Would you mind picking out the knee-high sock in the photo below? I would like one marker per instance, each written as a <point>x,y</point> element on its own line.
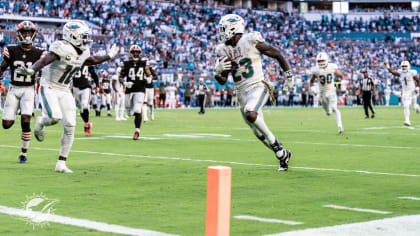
<point>67,140</point>
<point>137,120</point>
<point>262,128</point>
<point>26,134</point>
<point>337,116</point>
<point>257,133</point>
<point>85,115</point>
<point>144,111</point>
<point>407,113</point>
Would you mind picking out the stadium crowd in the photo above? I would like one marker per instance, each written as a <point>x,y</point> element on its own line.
<point>181,39</point>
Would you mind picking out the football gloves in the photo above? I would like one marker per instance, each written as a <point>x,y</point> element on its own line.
<point>128,84</point>
<point>290,82</point>
<point>222,64</point>
<point>24,71</point>
<point>113,51</point>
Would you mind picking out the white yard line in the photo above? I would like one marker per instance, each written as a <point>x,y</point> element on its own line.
<point>410,198</point>
<point>104,227</point>
<point>287,222</point>
<point>215,161</point>
<point>358,209</point>
<point>401,225</point>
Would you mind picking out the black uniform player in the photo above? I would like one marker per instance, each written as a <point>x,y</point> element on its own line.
<point>134,72</point>
<point>82,93</point>
<point>106,92</point>
<point>22,90</point>
<point>150,94</point>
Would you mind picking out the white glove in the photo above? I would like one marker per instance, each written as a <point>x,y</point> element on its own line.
<point>222,64</point>
<point>128,84</point>
<point>113,51</point>
<point>290,82</point>
<point>24,71</point>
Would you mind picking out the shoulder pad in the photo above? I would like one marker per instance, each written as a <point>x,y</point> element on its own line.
<point>59,48</point>
<point>255,37</point>
<point>219,50</point>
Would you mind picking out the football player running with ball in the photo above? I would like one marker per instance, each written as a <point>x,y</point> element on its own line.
<point>407,78</point>
<point>324,72</point>
<point>240,54</point>
<point>21,92</point>
<point>64,59</point>
<point>134,72</point>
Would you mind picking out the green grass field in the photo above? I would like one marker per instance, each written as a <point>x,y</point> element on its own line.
<point>159,183</point>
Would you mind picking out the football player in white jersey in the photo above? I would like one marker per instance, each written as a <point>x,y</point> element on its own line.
<point>325,72</point>
<point>240,54</point>
<point>64,59</point>
<point>407,77</point>
<point>117,85</point>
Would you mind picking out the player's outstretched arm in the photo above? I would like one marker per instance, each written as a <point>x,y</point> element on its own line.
<point>44,61</point>
<point>390,69</point>
<point>94,60</point>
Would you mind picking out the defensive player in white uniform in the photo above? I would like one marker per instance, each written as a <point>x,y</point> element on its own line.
<point>407,78</point>
<point>240,54</point>
<point>117,85</point>
<point>325,73</point>
<point>65,57</point>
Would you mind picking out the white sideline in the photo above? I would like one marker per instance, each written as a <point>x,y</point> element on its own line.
<point>214,161</point>
<point>358,209</point>
<point>287,222</point>
<point>401,225</point>
<point>410,198</point>
<point>104,227</point>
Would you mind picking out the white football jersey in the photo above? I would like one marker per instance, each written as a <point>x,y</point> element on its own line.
<point>325,77</point>
<point>246,60</point>
<point>118,85</point>
<point>60,72</point>
<point>407,80</point>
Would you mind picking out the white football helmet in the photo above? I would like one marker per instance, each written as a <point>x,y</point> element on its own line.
<point>405,66</point>
<point>77,33</point>
<point>230,25</point>
<point>322,60</point>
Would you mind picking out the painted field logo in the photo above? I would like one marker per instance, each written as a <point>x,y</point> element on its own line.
<point>38,208</point>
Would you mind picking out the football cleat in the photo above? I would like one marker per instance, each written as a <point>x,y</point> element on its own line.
<point>152,116</point>
<point>88,129</point>
<point>117,118</point>
<point>22,159</point>
<point>39,129</point>
<point>366,117</point>
<point>282,155</point>
<point>109,114</point>
<point>136,135</point>
<point>372,116</point>
<point>61,167</point>
<point>284,158</point>
<point>407,123</point>
<point>340,130</point>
